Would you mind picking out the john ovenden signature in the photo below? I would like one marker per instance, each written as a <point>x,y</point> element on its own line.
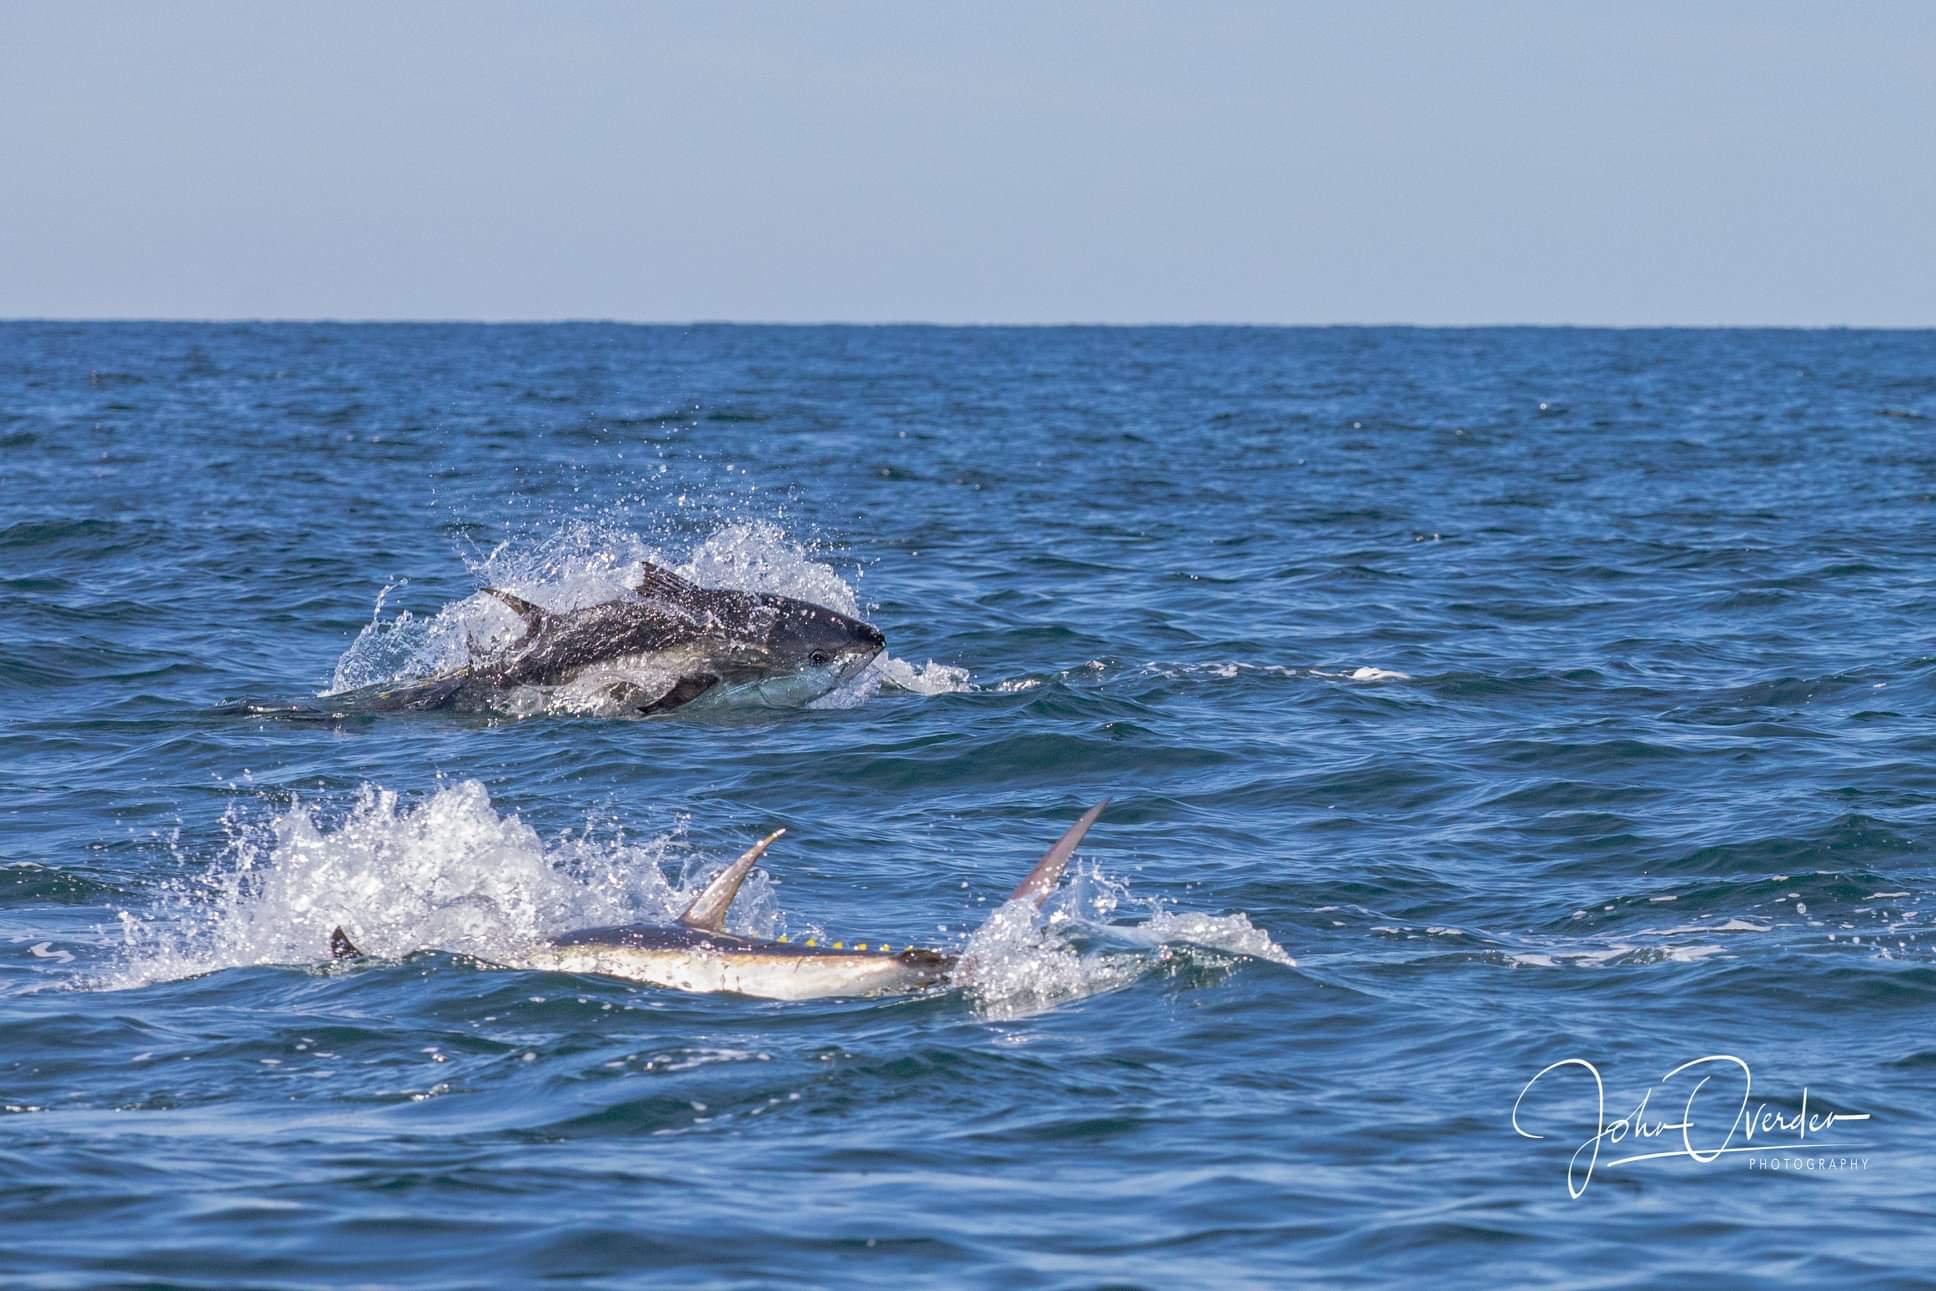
<point>1713,1122</point>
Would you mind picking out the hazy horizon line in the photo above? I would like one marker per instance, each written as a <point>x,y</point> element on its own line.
<point>987,324</point>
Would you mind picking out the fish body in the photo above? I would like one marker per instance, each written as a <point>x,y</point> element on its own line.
<point>682,959</point>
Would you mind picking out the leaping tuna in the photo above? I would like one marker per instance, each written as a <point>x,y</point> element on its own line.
<point>669,644</point>
<point>698,954</point>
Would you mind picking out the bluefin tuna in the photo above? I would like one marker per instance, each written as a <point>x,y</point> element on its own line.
<point>670,643</point>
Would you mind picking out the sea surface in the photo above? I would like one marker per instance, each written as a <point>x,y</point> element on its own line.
<point>1509,733</point>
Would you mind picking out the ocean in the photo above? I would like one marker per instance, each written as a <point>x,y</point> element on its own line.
<point>1518,868</point>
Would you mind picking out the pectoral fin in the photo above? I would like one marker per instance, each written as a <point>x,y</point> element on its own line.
<point>683,692</point>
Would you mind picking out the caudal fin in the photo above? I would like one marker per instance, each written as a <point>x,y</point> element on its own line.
<point>1041,880</point>
<point>708,913</point>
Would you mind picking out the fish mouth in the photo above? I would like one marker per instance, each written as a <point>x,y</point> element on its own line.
<point>858,659</point>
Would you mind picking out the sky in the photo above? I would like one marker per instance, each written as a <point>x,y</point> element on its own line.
<point>1762,163</point>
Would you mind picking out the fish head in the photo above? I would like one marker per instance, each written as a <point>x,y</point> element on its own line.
<point>812,650</point>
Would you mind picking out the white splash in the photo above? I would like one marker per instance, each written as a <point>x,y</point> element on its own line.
<point>450,874</point>
<point>1016,965</point>
<point>1022,961</point>
<point>930,678</point>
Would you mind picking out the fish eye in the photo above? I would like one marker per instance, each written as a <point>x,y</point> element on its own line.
<point>818,657</point>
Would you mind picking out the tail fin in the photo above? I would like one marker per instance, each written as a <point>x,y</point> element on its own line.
<point>708,913</point>
<point>341,947</point>
<point>1041,881</point>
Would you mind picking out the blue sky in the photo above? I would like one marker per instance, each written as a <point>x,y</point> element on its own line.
<point>1753,163</point>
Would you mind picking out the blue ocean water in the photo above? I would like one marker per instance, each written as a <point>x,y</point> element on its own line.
<point>1471,701</point>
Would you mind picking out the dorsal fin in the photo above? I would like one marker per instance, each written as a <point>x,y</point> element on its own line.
<point>1048,871</point>
<point>708,913</point>
<point>533,615</point>
<point>657,580</point>
<point>341,947</point>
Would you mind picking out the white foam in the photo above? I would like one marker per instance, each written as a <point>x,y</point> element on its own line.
<point>1231,932</point>
<point>1362,673</point>
<point>930,678</point>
